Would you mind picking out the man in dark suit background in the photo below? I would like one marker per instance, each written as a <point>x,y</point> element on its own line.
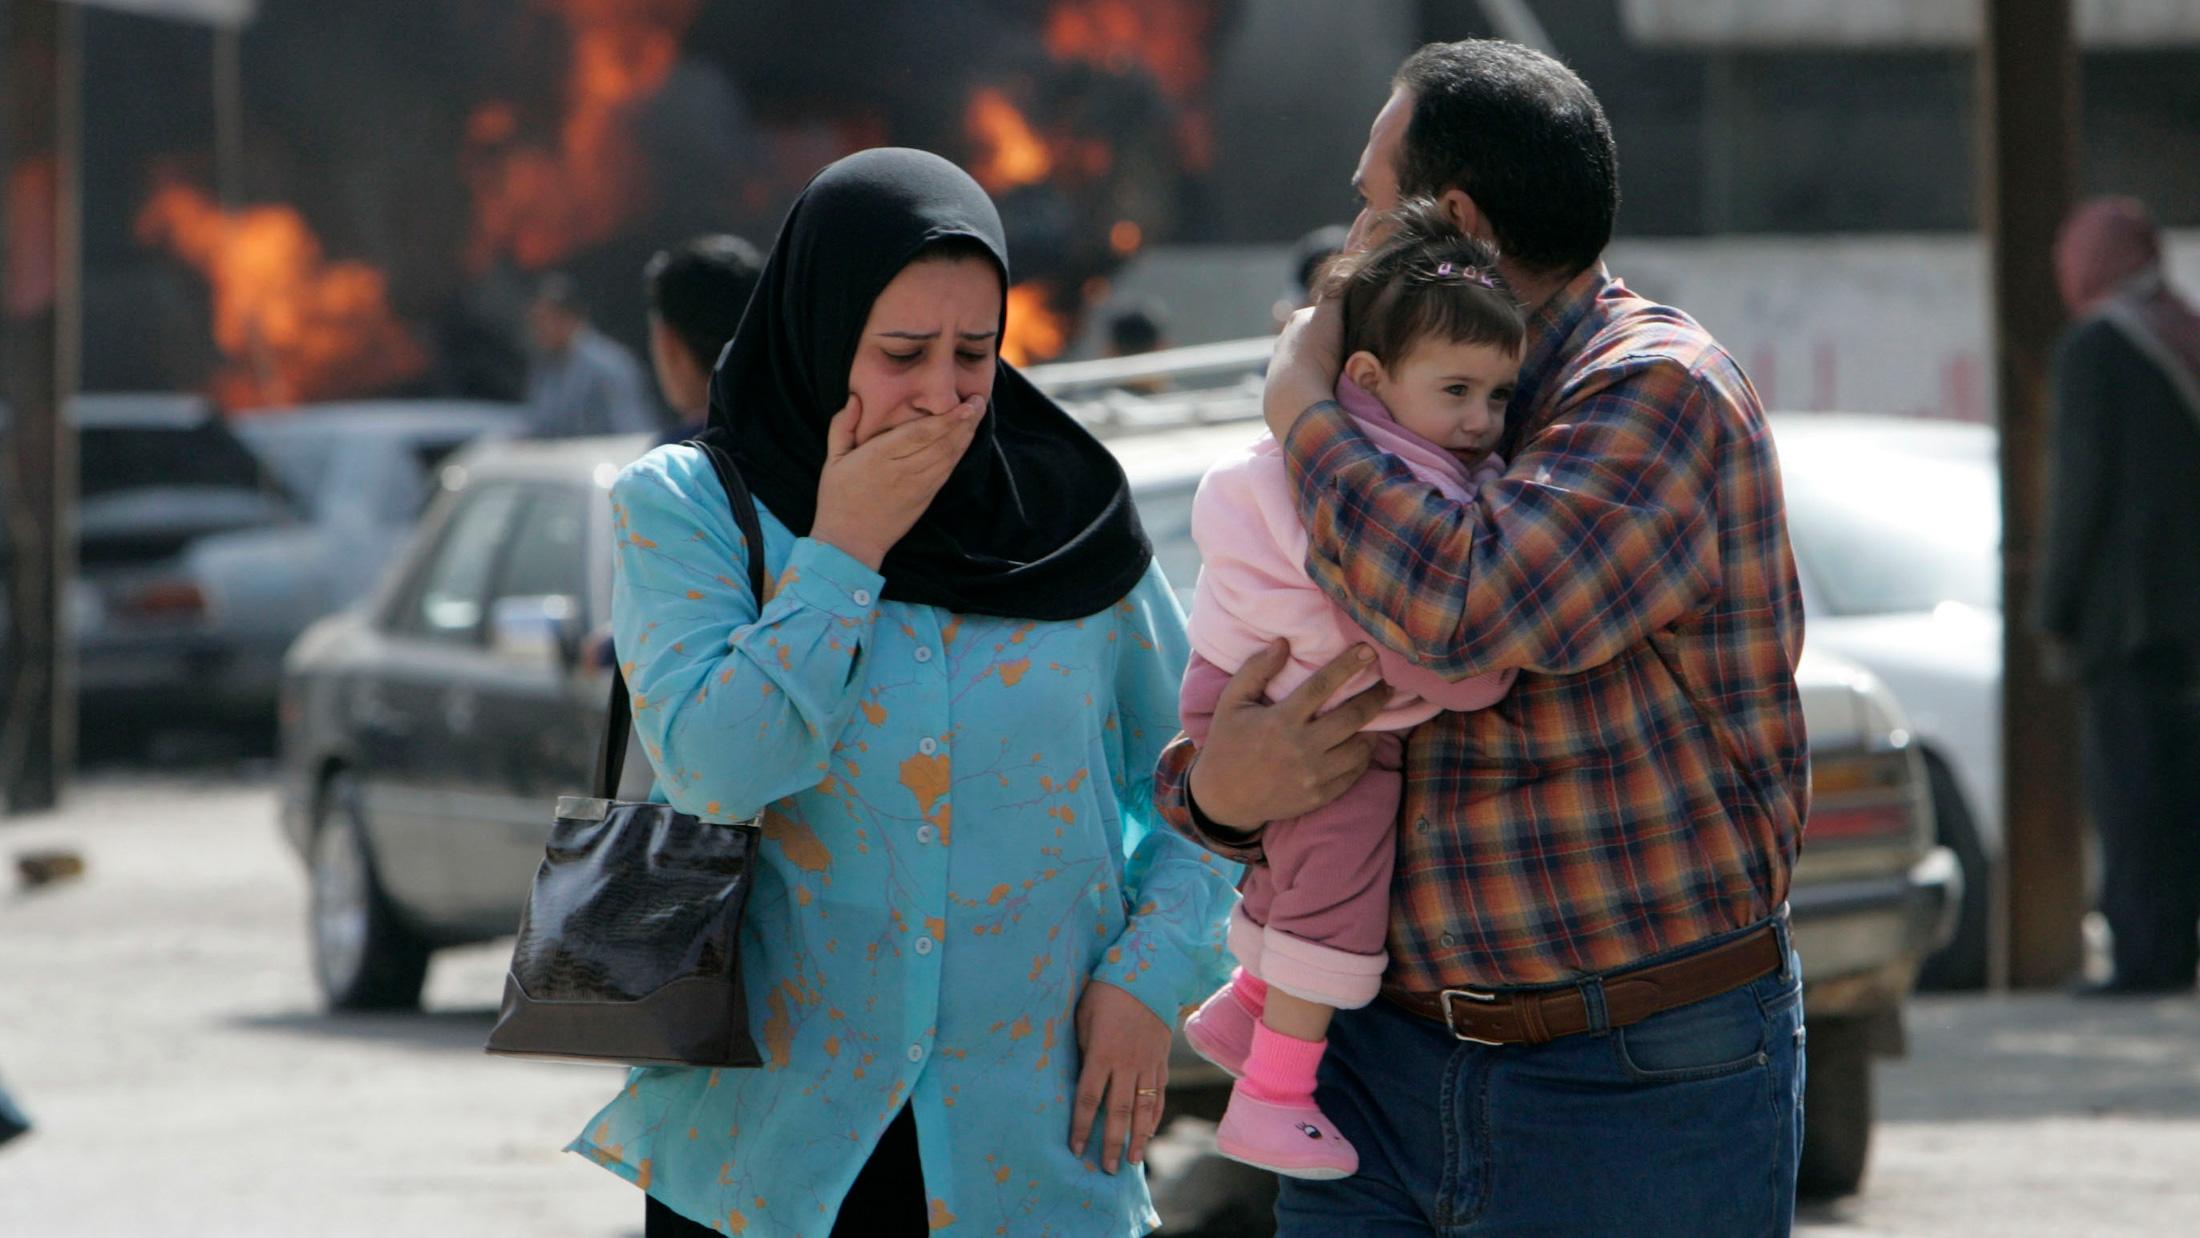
<point>2120,586</point>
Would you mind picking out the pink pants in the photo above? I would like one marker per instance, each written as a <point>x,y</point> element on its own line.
<point>1312,919</point>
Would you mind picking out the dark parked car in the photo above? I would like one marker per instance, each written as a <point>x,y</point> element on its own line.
<point>426,733</point>
<point>182,535</point>
<point>206,544</point>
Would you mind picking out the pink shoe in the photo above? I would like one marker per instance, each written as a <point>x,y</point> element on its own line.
<point>1221,1031</point>
<point>1297,1141</point>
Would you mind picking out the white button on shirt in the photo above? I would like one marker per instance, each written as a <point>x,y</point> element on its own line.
<point>916,1053</point>
<point>861,597</point>
<point>928,745</point>
<point>924,833</point>
<point>924,945</point>
<point>923,653</point>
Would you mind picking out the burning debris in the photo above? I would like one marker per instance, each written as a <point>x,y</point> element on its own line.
<point>1168,39</point>
<point>293,325</point>
<point>1008,154</point>
<point>537,203</point>
<point>1036,331</point>
<point>584,134</point>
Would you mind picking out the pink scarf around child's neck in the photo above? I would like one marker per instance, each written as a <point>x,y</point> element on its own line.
<point>1431,463</point>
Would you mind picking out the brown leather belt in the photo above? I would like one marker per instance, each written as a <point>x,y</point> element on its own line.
<point>1539,1016</point>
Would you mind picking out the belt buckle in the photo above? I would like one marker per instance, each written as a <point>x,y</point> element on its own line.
<point>1445,999</point>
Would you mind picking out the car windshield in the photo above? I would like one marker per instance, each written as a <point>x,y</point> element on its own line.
<point>1886,526</point>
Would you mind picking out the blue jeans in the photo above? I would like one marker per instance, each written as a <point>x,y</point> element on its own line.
<point>1689,1122</point>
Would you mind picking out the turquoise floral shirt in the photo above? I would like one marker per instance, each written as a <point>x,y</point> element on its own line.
<point>959,833</point>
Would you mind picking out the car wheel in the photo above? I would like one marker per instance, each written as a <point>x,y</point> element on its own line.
<point>363,955</point>
<point>1837,1108</point>
<point>1961,964</point>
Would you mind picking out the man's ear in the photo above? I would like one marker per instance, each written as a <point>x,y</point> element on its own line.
<point>1364,369</point>
<point>1464,214</point>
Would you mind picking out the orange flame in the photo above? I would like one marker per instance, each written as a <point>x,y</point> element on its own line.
<point>1009,153</point>
<point>539,204</point>
<point>1167,37</point>
<point>1035,331</point>
<point>293,325</point>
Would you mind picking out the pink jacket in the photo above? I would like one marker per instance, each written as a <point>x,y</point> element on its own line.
<point>1253,585</point>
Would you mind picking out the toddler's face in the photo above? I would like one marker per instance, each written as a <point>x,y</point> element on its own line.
<point>1451,394</point>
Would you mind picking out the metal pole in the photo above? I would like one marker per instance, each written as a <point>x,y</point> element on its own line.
<point>228,82</point>
<point>2028,96</point>
<point>39,140</point>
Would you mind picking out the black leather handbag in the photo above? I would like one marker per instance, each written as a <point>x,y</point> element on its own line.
<point>629,946</point>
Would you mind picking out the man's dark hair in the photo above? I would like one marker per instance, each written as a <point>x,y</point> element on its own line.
<point>700,289</point>
<point>1424,279</point>
<point>1523,136</point>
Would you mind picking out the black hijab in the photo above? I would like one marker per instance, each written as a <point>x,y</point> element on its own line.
<point>1036,520</point>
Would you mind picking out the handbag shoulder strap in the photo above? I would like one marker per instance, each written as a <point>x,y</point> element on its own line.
<point>611,754</point>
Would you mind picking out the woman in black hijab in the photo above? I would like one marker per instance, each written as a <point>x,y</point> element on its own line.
<point>970,933</point>
<point>1035,519</point>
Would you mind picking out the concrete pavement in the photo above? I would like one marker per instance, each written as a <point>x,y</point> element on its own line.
<point>158,1021</point>
<point>2035,1114</point>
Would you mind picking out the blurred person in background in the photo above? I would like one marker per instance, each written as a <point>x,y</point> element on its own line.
<point>697,292</point>
<point>1313,251</point>
<point>2120,581</point>
<point>582,382</point>
<point>1140,327</point>
<point>1137,328</point>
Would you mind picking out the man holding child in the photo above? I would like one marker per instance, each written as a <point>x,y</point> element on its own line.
<point>1591,1020</point>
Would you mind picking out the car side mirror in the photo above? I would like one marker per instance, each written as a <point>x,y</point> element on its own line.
<point>540,631</point>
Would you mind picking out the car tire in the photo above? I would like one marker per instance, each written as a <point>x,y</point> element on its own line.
<point>1837,1108</point>
<point>364,956</point>
<point>1961,964</point>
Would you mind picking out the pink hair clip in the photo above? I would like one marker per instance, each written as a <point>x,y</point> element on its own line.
<point>1449,270</point>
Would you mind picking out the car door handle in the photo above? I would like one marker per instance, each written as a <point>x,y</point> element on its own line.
<point>459,709</point>
<point>371,714</point>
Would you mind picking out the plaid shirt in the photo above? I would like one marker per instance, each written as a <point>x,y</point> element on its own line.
<point>1644,785</point>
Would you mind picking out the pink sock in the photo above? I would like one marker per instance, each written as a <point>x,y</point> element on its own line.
<point>1250,991</point>
<point>1280,1069</point>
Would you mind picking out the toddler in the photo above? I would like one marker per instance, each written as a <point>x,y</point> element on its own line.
<point>1433,342</point>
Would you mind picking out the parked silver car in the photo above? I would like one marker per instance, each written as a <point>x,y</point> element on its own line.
<point>363,471</point>
<point>1897,529</point>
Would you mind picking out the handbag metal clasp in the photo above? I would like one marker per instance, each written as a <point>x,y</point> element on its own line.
<point>582,808</point>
